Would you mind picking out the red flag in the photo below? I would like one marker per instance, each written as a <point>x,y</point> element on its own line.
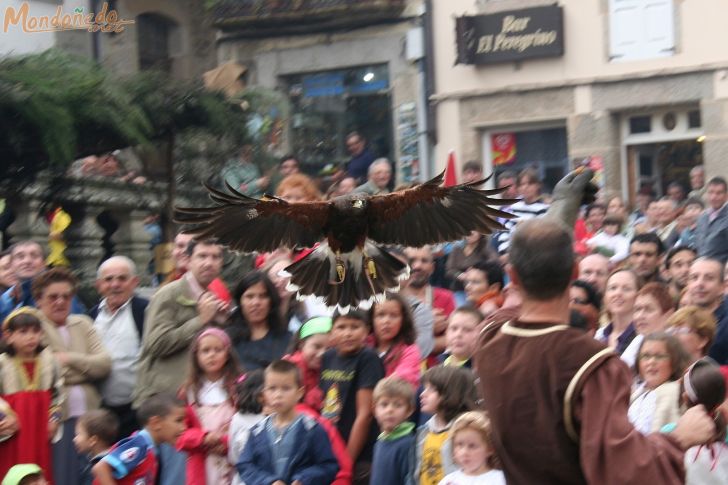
<point>451,176</point>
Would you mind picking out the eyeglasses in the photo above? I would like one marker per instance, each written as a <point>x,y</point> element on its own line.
<point>120,278</point>
<point>654,356</point>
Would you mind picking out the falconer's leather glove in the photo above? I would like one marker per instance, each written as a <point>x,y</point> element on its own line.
<point>572,191</point>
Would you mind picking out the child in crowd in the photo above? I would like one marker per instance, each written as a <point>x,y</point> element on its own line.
<point>609,241</point>
<point>133,460</point>
<point>249,401</point>
<point>312,340</point>
<point>661,361</point>
<point>473,451</point>
<point>393,461</point>
<point>462,336</point>
<point>209,394</point>
<point>704,383</point>
<point>448,392</point>
<point>338,446</point>
<point>32,386</point>
<point>286,448</point>
<point>349,373</point>
<point>25,474</point>
<point>96,432</point>
<point>394,339</point>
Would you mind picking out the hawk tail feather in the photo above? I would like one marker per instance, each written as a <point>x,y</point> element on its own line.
<point>369,274</point>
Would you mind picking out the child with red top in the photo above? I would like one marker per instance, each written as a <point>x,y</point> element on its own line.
<point>209,392</point>
<point>133,460</point>
<point>394,339</point>
<point>312,340</point>
<point>31,386</point>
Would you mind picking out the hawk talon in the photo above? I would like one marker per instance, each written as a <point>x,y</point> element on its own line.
<point>371,267</point>
<point>340,271</point>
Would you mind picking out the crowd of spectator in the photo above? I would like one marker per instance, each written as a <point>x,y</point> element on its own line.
<point>251,385</point>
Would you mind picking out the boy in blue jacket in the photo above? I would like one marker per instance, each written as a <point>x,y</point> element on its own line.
<point>286,448</point>
<point>394,452</point>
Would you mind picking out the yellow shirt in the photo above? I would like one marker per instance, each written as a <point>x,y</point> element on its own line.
<point>60,222</point>
<point>431,471</point>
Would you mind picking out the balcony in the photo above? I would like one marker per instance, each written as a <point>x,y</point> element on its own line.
<point>270,18</point>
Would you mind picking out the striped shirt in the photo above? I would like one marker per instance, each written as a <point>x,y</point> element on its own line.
<point>523,212</point>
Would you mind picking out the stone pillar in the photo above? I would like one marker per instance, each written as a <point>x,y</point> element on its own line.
<point>27,224</point>
<point>597,134</point>
<point>714,114</point>
<point>132,241</point>
<point>84,243</point>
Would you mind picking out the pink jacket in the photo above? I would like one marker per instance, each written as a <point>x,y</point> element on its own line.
<point>404,361</point>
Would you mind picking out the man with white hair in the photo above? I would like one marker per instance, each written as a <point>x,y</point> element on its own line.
<point>119,320</point>
<point>380,174</point>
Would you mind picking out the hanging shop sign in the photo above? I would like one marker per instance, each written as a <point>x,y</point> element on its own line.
<point>510,36</point>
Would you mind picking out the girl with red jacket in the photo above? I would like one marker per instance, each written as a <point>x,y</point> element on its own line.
<point>208,391</point>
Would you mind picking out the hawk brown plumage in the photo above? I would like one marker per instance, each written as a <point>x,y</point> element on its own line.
<point>349,268</point>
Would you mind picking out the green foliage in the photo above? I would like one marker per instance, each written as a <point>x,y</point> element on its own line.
<point>174,105</point>
<point>55,107</point>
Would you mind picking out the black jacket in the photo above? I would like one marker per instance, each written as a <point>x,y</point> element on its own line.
<point>138,305</point>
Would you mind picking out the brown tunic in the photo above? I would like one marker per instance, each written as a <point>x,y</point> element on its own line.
<point>558,402</point>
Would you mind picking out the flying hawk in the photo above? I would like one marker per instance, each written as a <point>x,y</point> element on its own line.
<point>350,267</point>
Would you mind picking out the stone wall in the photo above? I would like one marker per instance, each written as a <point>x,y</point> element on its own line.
<point>85,199</point>
<point>592,114</point>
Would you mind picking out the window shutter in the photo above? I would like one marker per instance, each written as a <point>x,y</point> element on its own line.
<point>659,28</point>
<point>641,29</point>
<point>624,28</point>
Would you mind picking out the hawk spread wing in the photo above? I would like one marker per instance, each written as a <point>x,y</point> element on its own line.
<point>429,213</point>
<point>247,225</point>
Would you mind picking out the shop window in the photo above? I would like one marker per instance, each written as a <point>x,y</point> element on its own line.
<point>153,40</point>
<point>545,150</point>
<point>694,119</point>
<point>640,124</point>
<point>329,105</point>
<point>640,29</point>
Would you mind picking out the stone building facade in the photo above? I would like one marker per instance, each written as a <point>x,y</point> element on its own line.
<point>344,67</point>
<point>641,87</point>
<point>108,214</point>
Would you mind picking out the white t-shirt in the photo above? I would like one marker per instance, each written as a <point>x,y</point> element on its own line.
<point>238,435</point>
<point>492,477</point>
<point>642,410</point>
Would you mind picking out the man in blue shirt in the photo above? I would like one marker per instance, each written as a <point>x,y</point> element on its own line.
<point>361,157</point>
<point>712,229</point>
<point>705,288</point>
<point>27,261</point>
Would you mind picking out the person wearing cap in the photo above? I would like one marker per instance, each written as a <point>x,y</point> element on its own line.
<point>25,474</point>
<point>311,341</point>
